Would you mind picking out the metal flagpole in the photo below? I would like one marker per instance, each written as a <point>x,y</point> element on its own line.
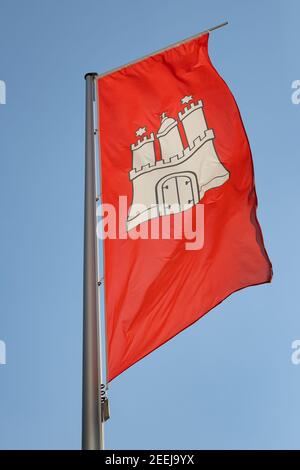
<point>92,422</point>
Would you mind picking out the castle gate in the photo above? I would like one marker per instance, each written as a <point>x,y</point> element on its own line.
<point>177,192</point>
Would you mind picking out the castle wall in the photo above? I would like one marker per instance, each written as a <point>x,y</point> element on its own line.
<point>194,123</point>
<point>203,162</point>
<point>143,153</point>
<point>170,144</point>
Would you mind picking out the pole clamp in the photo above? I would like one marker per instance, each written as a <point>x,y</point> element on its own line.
<point>105,414</point>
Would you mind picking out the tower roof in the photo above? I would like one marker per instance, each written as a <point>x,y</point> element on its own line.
<point>166,123</point>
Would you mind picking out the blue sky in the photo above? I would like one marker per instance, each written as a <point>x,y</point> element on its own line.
<point>228,381</point>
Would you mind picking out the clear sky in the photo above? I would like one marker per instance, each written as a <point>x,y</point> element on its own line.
<point>226,382</point>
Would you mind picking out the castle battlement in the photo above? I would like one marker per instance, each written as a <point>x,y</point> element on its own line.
<point>143,141</point>
<point>189,109</point>
<point>185,155</point>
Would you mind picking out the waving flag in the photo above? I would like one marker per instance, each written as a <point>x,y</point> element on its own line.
<point>176,168</point>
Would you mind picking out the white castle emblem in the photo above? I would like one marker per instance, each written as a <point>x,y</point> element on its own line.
<point>180,179</point>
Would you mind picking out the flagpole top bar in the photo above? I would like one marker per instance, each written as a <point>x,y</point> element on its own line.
<point>90,74</point>
<point>98,76</point>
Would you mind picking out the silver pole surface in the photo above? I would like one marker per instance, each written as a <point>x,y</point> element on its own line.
<point>92,429</point>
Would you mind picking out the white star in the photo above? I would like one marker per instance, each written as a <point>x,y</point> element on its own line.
<point>186,99</point>
<point>141,131</point>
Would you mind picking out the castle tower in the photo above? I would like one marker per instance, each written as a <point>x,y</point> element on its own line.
<point>193,121</point>
<point>169,138</point>
<point>143,152</point>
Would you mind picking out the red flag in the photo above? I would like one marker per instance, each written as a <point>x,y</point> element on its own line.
<point>173,145</point>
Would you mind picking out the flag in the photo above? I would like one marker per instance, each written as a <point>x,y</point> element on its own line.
<point>179,203</point>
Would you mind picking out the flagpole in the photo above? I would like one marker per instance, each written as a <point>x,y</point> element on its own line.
<point>92,423</point>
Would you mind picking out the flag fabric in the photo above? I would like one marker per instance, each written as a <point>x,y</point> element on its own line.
<point>174,154</point>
